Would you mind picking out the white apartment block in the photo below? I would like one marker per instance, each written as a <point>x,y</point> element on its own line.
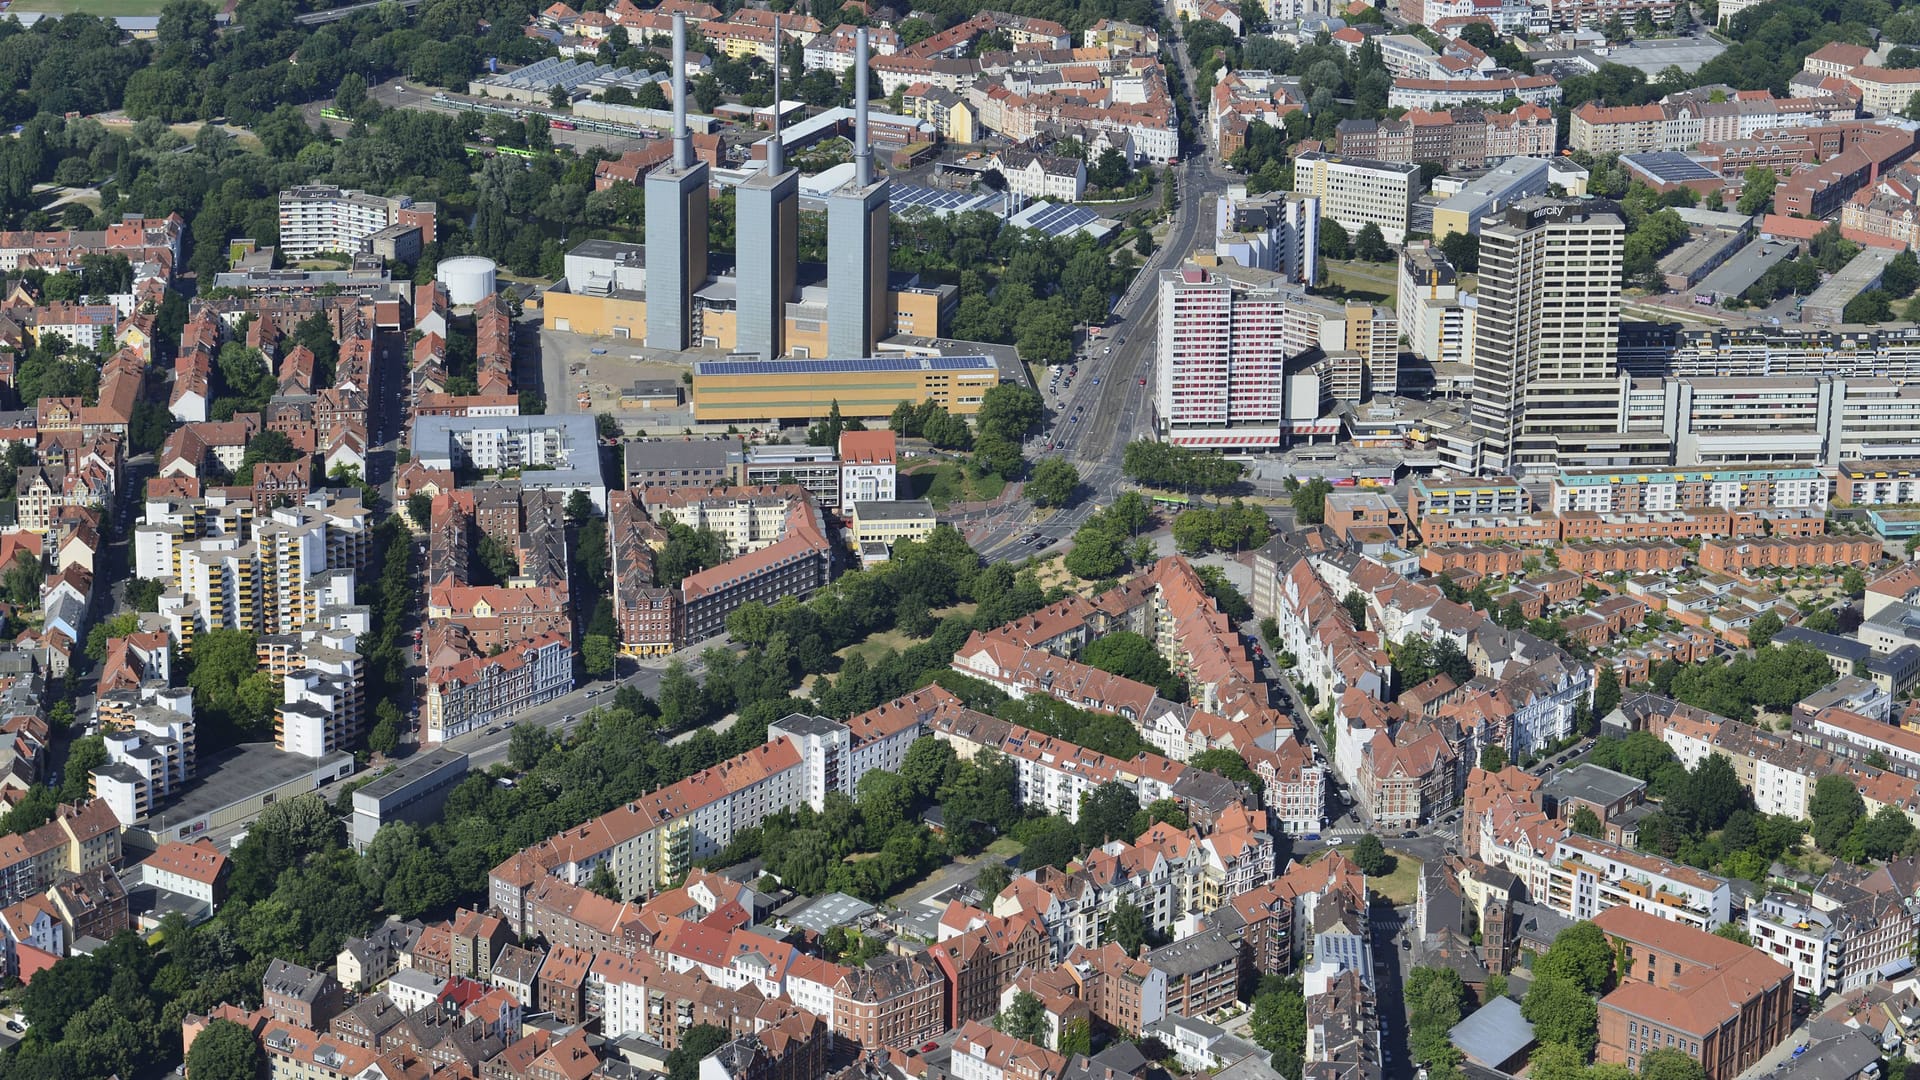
<point>271,574</point>
<point>1357,193</point>
<point>1610,491</point>
<point>1588,876</point>
<point>315,219</point>
<point>150,760</point>
<point>1277,231</point>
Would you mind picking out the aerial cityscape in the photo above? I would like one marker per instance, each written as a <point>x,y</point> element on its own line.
<point>1120,540</point>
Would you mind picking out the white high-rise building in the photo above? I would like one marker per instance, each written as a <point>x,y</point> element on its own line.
<point>1545,365</point>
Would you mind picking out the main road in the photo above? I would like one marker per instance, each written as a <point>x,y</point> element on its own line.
<point>1111,402</point>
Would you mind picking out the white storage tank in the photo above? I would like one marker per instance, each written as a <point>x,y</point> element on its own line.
<point>468,278</point>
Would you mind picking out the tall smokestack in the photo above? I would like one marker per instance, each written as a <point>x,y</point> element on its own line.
<point>776,152</point>
<point>682,136</point>
<point>862,149</point>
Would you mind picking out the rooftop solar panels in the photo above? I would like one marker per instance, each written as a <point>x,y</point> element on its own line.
<point>1055,219</point>
<point>905,196</point>
<point>1668,166</point>
<point>873,364</point>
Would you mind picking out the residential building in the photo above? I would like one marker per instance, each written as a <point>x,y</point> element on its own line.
<point>316,219</point>
<point>481,690</point>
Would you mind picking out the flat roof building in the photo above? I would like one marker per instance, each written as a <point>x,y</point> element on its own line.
<point>758,391</point>
<point>413,792</point>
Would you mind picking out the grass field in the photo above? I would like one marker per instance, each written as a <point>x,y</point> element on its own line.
<point>945,483</point>
<point>106,9</point>
<point>1401,886</point>
<point>877,645</point>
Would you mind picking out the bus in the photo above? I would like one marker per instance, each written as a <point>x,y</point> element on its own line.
<point>331,113</point>
<point>1177,502</point>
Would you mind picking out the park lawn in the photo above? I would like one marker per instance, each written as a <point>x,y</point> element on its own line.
<point>105,9</point>
<point>944,483</point>
<point>879,644</point>
<point>1004,845</point>
<point>1403,885</point>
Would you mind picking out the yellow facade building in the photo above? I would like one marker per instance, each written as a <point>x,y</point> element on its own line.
<point>758,391</point>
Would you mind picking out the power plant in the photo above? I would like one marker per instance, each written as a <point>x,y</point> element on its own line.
<point>767,222</point>
<point>676,222</point>
<point>857,251</point>
<point>767,212</point>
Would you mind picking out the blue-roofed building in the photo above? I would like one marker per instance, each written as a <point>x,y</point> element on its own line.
<point>1494,1035</point>
<point>1056,219</point>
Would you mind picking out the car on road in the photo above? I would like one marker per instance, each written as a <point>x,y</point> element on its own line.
<point>1410,835</point>
<point>598,352</point>
<point>1143,382</point>
<point>929,1048</point>
<point>1076,419</point>
<point>567,719</point>
<point>1096,380</point>
<point>494,730</point>
<point>14,1026</point>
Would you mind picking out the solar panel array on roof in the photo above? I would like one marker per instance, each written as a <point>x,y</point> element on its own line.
<point>1055,219</point>
<point>839,367</point>
<point>910,195</point>
<point>1669,166</point>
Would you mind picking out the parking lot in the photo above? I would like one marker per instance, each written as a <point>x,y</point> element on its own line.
<point>602,367</point>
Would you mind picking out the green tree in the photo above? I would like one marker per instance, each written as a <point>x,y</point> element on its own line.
<point>1666,1064</point>
<point>1606,691</point>
<point>991,881</point>
<point>1585,822</point>
<point>1371,856</point>
<point>1309,500</point>
<point>1334,243</point>
<point>1761,630</point>
<point>1733,932</point>
<point>1756,190</point>
<point>1435,998</point>
<point>1493,757</point>
<point>420,508</point>
<point>23,581</point>
<point>223,1050</point>
<point>351,97</point>
<point>1024,1018</point>
<point>1833,810</point>
<point>143,594</point>
<point>1370,245</point>
<point>1886,834</point>
<point>1853,581</point>
<point>1126,927</point>
<point>596,655</point>
<point>1053,482</point>
<point>1279,1024</point>
<point>1128,655</point>
<point>527,745</point>
<point>385,735</point>
<point>118,626</point>
<point>699,1041</point>
<point>1096,554</point>
<point>1009,411</point>
<point>1580,955</point>
<point>1561,1012</point>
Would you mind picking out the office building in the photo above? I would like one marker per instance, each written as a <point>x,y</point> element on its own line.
<point>1509,182</point>
<point>676,200</point>
<point>413,792</point>
<point>1222,359</point>
<point>1547,334</point>
<point>767,222</point>
<point>1357,192</point>
<point>857,239</point>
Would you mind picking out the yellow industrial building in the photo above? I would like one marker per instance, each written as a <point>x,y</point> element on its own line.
<point>758,391</point>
